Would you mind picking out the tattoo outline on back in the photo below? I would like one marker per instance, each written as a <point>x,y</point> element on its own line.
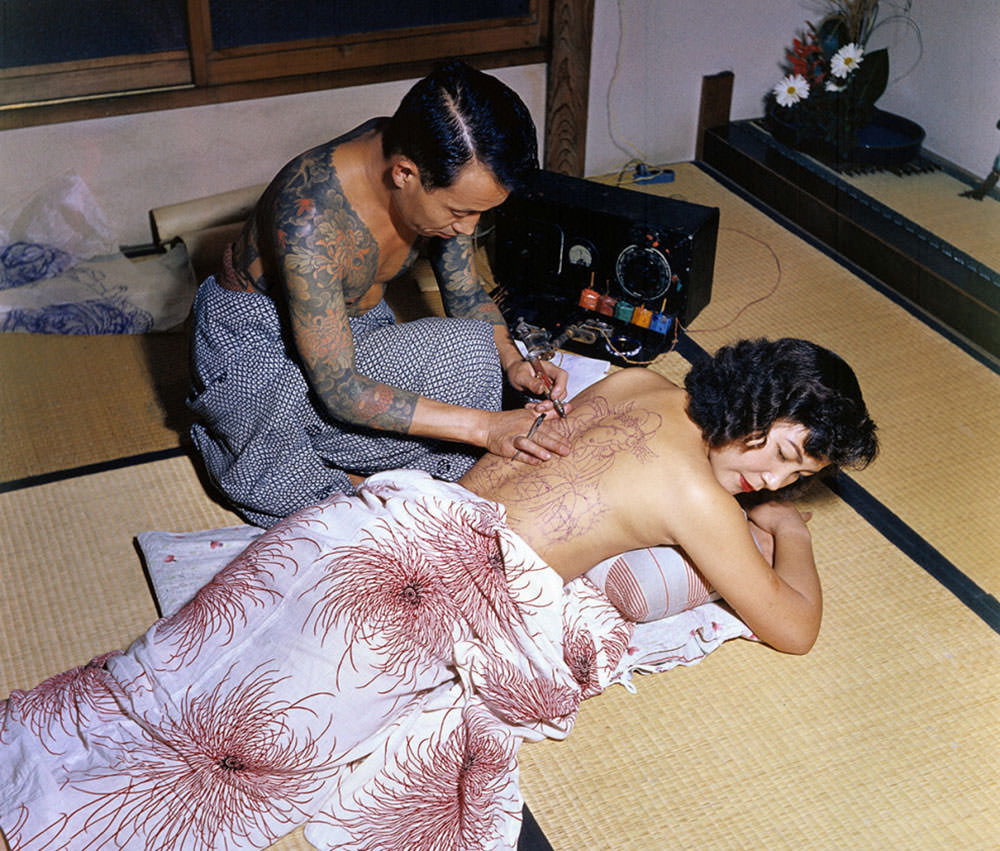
<point>568,498</point>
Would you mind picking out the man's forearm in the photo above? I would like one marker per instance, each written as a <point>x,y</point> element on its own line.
<point>506,349</point>
<point>360,401</point>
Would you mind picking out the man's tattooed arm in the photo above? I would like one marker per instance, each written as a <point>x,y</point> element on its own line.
<point>328,258</point>
<point>462,289</point>
<point>463,293</point>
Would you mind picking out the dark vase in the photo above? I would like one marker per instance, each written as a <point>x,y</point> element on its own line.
<point>887,140</point>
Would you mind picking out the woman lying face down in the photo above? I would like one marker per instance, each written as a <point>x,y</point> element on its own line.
<point>654,464</point>
<point>368,666</point>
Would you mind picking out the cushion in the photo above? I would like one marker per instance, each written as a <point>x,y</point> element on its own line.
<point>651,583</point>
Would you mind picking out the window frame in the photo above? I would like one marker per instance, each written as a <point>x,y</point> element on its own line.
<point>120,85</point>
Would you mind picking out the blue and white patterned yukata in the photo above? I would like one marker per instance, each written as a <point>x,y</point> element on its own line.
<point>266,441</point>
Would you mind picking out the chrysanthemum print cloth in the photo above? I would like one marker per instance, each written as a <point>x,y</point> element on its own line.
<point>368,667</point>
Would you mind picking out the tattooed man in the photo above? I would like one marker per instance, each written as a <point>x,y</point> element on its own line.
<point>302,380</point>
<point>653,464</point>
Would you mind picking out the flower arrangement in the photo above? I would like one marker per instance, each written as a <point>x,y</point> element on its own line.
<point>831,81</point>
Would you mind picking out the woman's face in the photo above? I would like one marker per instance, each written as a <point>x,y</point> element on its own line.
<point>767,463</point>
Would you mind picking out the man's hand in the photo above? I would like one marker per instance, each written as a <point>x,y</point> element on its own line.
<point>523,376</point>
<point>508,434</point>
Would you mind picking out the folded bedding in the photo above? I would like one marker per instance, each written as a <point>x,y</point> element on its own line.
<point>61,270</point>
<point>367,667</point>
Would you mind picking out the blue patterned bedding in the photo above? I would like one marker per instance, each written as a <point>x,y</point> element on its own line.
<point>61,271</point>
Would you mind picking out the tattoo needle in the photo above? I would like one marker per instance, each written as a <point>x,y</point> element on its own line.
<point>540,373</point>
<point>534,426</point>
<point>531,433</point>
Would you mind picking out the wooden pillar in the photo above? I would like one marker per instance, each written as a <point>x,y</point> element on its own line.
<point>716,100</point>
<point>568,87</point>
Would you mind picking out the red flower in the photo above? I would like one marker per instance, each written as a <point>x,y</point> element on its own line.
<point>580,653</point>
<point>806,57</point>
<point>229,764</point>
<point>479,576</point>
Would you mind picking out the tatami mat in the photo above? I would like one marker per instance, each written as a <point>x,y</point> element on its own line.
<point>884,736</point>
<point>72,583</point>
<point>67,401</point>
<point>880,738</point>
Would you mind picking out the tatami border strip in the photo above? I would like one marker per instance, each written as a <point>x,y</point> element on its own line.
<point>90,469</point>
<point>984,604</point>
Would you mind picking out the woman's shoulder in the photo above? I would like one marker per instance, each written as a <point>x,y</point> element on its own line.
<point>630,380</point>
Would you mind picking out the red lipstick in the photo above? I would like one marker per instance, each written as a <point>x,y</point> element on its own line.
<point>747,487</point>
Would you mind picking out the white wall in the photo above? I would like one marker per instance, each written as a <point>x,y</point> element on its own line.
<point>649,57</point>
<point>953,92</point>
<point>644,98</point>
<point>132,163</point>
<point>647,104</point>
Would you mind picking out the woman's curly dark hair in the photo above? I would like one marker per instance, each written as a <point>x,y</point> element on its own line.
<point>740,392</point>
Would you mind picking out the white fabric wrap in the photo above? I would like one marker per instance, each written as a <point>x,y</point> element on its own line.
<point>367,667</point>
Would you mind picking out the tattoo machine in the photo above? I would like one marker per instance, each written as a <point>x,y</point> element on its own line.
<point>536,341</point>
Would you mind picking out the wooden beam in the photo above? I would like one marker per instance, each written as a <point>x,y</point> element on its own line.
<point>716,100</point>
<point>568,86</point>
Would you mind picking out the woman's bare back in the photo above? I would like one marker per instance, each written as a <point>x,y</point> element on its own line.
<point>630,438</point>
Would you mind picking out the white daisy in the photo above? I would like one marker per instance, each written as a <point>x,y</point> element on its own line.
<point>831,86</point>
<point>791,90</point>
<point>845,60</point>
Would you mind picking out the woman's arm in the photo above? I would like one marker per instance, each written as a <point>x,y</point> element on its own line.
<point>782,604</point>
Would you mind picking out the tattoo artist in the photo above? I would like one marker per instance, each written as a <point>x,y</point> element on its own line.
<point>302,380</point>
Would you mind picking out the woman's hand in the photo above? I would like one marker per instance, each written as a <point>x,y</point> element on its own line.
<point>776,517</point>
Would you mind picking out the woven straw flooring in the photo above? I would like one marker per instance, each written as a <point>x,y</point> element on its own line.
<point>885,736</point>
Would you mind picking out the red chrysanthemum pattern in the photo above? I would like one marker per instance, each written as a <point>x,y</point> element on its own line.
<point>595,637</point>
<point>580,653</point>
<point>221,607</point>
<point>379,658</point>
<point>390,598</point>
<point>64,704</point>
<point>487,585</point>
<point>234,762</point>
<point>442,793</point>
<point>521,699</point>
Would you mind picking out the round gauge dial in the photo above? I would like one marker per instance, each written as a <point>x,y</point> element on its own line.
<point>643,273</point>
<point>581,254</point>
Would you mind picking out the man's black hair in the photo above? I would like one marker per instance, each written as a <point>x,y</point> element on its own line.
<point>739,393</point>
<point>457,114</point>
